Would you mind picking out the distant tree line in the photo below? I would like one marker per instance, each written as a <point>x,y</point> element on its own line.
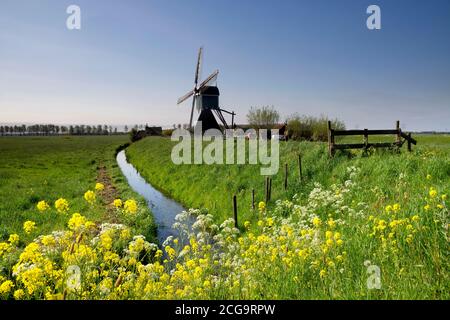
<point>53,130</point>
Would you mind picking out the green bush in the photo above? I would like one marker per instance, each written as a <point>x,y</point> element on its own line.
<point>302,127</point>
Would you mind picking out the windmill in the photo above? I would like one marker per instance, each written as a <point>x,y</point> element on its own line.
<point>206,97</point>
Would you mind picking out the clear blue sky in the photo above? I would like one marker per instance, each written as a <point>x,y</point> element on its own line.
<point>132,59</point>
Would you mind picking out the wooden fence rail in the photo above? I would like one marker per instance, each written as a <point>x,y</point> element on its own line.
<point>332,146</point>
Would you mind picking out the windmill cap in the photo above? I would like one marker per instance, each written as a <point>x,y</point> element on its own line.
<point>210,90</point>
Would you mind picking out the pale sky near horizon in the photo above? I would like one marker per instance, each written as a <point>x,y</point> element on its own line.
<point>131,60</point>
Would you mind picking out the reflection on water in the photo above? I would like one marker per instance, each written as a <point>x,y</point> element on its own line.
<point>164,209</point>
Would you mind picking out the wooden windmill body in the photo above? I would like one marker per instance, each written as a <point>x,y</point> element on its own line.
<point>206,100</point>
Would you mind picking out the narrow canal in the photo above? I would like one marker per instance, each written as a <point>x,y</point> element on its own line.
<point>163,208</point>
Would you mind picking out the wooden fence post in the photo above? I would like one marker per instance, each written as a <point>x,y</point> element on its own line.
<point>330,140</point>
<point>397,127</point>
<point>285,176</point>
<point>235,211</point>
<point>253,199</point>
<point>266,188</point>
<point>270,189</point>
<point>366,139</point>
<point>300,166</point>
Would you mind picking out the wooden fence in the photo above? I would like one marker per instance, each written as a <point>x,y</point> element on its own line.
<point>332,146</point>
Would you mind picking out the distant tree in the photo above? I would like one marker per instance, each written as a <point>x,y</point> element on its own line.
<point>126,129</point>
<point>265,117</point>
<point>2,130</point>
<point>301,127</point>
<point>115,130</point>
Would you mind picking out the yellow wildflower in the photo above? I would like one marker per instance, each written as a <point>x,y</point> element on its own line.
<point>89,196</point>
<point>426,207</point>
<point>262,206</point>
<point>42,206</point>
<point>48,241</point>
<point>432,192</point>
<point>396,207</point>
<point>29,226</point>
<point>62,205</point>
<point>316,222</point>
<point>429,176</point>
<point>331,223</point>
<point>14,239</point>
<point>19,294</point>
<point>247,224</point>
<point>118,203</point>
<point>323,273</point>
<point>6,287</point>
<point>444,197</point>
<point>4,248</point>
<point>409,238</point>
<point>125,234</point>
<point>130,206</point>
<point>79,223</point>
<point>99,186</point>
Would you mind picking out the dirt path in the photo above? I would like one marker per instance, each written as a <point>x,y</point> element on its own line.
<point>108,195</point>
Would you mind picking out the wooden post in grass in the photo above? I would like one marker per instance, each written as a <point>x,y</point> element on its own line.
<point>397,127</point>
<point>330,140</point>
<point>267,189</point>
<point>366,139</point>
<point>270,189</point>
<point>253,199</point>
<point>285,176</point>
<point>409,142</point>
<point>235,211</point>
<point>300,167</point>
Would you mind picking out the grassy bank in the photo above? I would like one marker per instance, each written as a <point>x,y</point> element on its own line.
<point>212,187</point>
<point>48,168</point>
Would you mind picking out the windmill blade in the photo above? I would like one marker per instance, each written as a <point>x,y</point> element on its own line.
<point>186,96</point>
<point>192,111</point>
<point>211,78</point>
<point>199,65</point>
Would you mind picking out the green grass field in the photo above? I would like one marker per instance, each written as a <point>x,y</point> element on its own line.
<point>358,226</point>
<point>49,168</point>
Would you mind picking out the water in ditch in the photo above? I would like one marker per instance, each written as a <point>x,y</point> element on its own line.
<point>163,208</point>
